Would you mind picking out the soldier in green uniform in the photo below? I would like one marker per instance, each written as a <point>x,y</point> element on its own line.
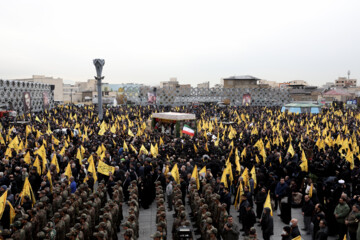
<point>18,232</point>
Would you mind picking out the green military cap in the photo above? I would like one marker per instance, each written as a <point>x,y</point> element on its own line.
<point>57,215</point>
<point>77,226</point>
<point>71,233</point>
<point>156,235</point>
<point>5,232</point>
<point>16,224</point>
<point>46,229</point>
<point>126,224</point>
<point>99,234</point>
<point>209,220</point>
<point>40,235</point>
<point>50,225</point>
<point>129,232</point>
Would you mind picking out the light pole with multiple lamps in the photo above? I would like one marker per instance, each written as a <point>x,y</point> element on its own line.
<point>99,64</point>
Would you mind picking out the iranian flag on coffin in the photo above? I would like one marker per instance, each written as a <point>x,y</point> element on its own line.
<point>187,130</point>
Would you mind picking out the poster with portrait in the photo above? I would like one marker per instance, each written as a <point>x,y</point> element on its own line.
<point>151,98</point>
<point>27,102</point>
<point>46,101</point>
<point>246,100</point>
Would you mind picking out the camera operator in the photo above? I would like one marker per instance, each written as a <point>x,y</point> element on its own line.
<point>231,230</point>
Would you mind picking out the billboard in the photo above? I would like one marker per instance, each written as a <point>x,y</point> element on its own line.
<point>46,101</point>
<point>27,102</point>
<point>151,98</point>
<point>246,101</point>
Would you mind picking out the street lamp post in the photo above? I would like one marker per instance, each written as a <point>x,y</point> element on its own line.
<point>99,64</point>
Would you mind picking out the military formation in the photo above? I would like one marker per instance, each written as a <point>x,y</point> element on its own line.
<point>84,215</point>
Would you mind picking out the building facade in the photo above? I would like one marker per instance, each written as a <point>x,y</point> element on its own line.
<point>56,82</point>
<point>173,83</point>
<point>345,82</point>
<point>245,81</point>
<point>204,85</point>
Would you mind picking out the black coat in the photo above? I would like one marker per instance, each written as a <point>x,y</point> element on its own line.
<point>267,223</point>
<point>294,232</point>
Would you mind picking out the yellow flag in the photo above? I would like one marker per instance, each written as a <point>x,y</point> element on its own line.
<point>311,190</point>
<point>350,158</point>
<point>79,156</point>
<point>195,175</point>
<point>37,119</point>
<point>253,175</point>
<point>243,153</point>
<point>62,152</point>
<point>104,169</point>
<point>299,238</point>
<point>239,193</point>
<point>161,142</point>
<point>41,152</point>
<point>14,143</point>
<point>133,148</point>
<point>130,133</point>
<point>195,148</point>
<point>267,203</point>
<point>68,172</point>
<point>27,158</point>
<point>206,147</point>
<point>304,162</point>
<point>99,151</point>
<point>113,129</point>
<point>153,151</point>
<point>12,212</point>
<point>125,147</point>
<point>50,180</point>
<point>203,171</point>
<point>55,162</point>
<point>291,150</point>
<point>175,173</point>
<point>91,168</point>
<point>44,163</point>
<point>37,165</point>
<point>237,161</point>
<point>27,191</point>
<point>227,171</point>
<point>144,150</point>
<point>3,203</point>
<point>102,131</point>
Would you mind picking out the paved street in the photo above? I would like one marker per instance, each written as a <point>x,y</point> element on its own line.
<point>148,226</point>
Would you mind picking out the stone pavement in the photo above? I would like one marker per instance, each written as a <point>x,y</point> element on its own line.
<point>147,225</point>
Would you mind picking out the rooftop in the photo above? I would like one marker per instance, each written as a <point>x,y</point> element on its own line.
<point>242,77</point>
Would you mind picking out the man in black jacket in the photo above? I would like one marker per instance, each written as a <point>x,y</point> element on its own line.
<point>267,224</point>
<point>294,231</point>
<point>322,234</point>
<point>307,212</point>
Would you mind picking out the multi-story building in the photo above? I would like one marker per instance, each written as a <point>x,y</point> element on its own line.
<point>245,81</point>
<point>204,85</point>
<point>56,82</point>
<point>71,93</point>
<point>89,85</point>
<point>298,82</point>
<point>271,84</point>
<point>345,82</point>
<point>173,83</point>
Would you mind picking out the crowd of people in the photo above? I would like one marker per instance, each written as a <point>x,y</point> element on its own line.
<point>65,174</point>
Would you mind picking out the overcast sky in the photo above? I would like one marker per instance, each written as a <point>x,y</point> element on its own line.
<point>196,41</point>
